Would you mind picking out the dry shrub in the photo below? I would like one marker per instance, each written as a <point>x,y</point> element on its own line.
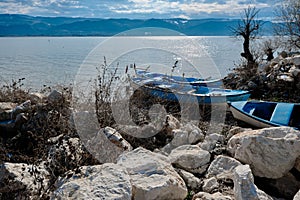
<point>103,93</point>
<point>14,92</point>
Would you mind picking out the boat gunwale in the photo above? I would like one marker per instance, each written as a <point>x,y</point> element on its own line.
<point>253,116</point>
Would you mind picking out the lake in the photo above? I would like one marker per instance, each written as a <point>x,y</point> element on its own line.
<point>57,60</point>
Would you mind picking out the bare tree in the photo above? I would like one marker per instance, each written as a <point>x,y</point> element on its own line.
<point>288,15</point>
<point>268,48</point>
<point>248,28</point>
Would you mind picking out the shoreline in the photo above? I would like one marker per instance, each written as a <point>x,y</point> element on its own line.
<point>43,153</point>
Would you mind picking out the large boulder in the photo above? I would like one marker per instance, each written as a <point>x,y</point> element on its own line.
<point>270,152</point>
<point>190,158</point>
<point>23,181</point>
<point>152,176</point>
<point>244,187</point>
<point>107,181</point>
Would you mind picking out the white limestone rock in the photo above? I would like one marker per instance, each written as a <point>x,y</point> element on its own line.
<point>36,97</point>
<point>107,145</point>
<point>187,134</point>
<point>33,180</point>
<point>55,97</point>
<point>222,167</point>
<point>180,137</point>
<point>152,176</point>
<point>195,134</point>
<point>294,71</point>
<point>244,187</point>
<point>271,152</point>
<point>211,141</point>
<point>190,158</point>
<point>207,196</point>
<point>107,181</point>
<point>145,131</point>
<point>296,60</point>
<point>116,138</point>
<point>6,109</point>
<point>171,123</point>
<point>190,180</point>
<point>23,107</point>
<point>297,196</point>
<point>94,140</point>
<point>7,106</point>
<point>235,130</point>
<point>209,185</point>
<point>287,77</point>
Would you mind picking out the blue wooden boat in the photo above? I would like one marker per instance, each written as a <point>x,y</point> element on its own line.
<point>264,114</point>
<point>180,79</point>
<point>185,93</point>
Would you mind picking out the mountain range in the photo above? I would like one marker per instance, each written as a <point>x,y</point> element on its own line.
<point>24,25</point>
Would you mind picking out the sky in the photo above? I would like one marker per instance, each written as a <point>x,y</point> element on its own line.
<point>138,9</point>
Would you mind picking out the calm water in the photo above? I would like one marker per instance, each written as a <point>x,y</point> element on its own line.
<point>57,60</point>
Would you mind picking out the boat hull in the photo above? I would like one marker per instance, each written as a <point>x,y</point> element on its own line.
<point>186,97</point>
<point>217,83</point>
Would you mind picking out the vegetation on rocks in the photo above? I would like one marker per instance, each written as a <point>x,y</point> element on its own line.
<point>31,123</point>
<point>42,155</point>
<point>276,80</point>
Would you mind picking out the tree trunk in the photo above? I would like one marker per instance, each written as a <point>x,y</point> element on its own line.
<point>246,45</point>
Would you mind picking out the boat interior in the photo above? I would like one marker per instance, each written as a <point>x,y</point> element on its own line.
<point>286,114</point>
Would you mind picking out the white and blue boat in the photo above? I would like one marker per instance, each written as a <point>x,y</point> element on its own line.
<point>180,79</point>
<point>263,114</point>
<point>170,91</point>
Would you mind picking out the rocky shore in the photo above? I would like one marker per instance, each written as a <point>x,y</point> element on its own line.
<point>278,79</point>
<point>43,157</point>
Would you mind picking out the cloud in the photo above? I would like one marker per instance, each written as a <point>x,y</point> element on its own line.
<point>189,8</point>
<point>146,6</point>
<point>182,16</point>
<point>14,7</point>
<point>135,8</point>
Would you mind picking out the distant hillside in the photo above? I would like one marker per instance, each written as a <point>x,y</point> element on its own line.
<point>23,25</point>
